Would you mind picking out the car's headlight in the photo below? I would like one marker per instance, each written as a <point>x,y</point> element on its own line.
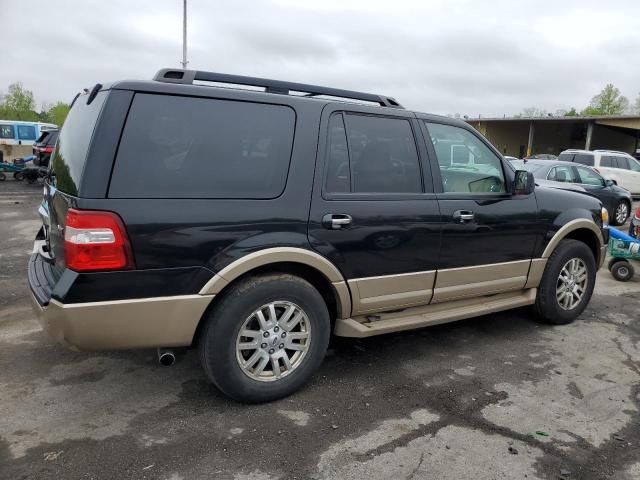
<point>604,214</point>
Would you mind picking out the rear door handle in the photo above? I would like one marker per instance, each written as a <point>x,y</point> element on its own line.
<point>336,221</point>
<point>463,216</point>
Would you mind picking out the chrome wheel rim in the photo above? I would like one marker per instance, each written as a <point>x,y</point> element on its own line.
<point>572,284</point>
<point>623,272</point>
<point>273,341</point>
<point>622,212</point>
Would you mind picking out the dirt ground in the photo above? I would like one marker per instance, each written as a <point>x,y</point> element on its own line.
<point>500,396</point>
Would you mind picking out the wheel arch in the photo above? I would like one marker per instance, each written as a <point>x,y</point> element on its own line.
<point>312,267</point>
<point>583,230</point>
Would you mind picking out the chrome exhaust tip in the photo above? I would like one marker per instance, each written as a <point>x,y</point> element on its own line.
<point>166,357</point>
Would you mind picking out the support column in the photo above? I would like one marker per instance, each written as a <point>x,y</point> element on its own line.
<point>587,143</point>
<point>530,141</point>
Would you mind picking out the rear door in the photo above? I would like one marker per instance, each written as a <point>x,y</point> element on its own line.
<point>629,173</point>
<point>488,234</point>
<point>593,183</point>
<point>373,212</point>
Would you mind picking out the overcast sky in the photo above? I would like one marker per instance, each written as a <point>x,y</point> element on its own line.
<point>469,57</point>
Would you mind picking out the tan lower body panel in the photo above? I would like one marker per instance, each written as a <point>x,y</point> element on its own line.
<point>535,272</point>
<point>138,323</point>
<point>419,317</point>
<point>375,294</point>
<point>465,282</point>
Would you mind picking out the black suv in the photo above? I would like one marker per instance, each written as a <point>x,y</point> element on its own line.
<point>43,147</point>
<point>255,224</point>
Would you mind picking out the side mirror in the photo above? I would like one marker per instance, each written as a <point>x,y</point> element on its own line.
<point>524,183</point>
<point>609,182</point>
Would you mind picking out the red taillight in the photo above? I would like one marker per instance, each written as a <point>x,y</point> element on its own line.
<point>96,240</point>
<point>47,149</point>
<point>637,214</point>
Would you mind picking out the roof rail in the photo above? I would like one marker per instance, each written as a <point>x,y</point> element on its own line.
<point>187,77</point>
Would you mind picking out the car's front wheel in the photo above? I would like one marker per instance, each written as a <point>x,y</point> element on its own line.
<point>621,213</point>
<point>567,283</point>
<point>265,338</point>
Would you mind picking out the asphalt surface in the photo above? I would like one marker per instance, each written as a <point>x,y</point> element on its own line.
<point>500,396</point>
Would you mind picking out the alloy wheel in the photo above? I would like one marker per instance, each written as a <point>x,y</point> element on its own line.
<point>622,212</point>
<point>572,283</point>
<point>273,341</point>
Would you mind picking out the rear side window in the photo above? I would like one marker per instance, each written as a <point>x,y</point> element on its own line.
<point>623,163</point>
<point>372,155</point>
<point>70,156</point>
<point>608,162</point>
<point>584,159</point>
<point>183,147</point>
<point>7,131</point>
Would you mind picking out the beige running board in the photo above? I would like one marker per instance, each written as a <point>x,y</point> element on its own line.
<point>418,317</point>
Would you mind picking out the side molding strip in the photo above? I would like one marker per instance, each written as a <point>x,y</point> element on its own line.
<point>374,294</point>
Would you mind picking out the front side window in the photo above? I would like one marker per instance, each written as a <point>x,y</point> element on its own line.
<point>563,173</point>
<point>371,154</point>
<point>589,177</point>
<point>633,164</point>
<point>7,131</point>
<point>26,132</point>
<point>584,159</point>
<point>466,164</point>
<point>185,147</point>
<point>623,163</point>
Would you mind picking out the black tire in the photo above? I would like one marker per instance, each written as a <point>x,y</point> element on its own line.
<point>19,176</point>
<point>217,341</point>
<point>612,262</point>
<point>622,271</point>
<point>547,305</point>
<point>619,205</point>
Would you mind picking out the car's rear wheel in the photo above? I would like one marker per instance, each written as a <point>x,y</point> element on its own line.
<point>265,338</point>
<point>621,213</point>
<point>567,283</point>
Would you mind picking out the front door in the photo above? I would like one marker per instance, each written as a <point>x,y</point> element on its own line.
<point>373,212</point>
<point>489,234</point>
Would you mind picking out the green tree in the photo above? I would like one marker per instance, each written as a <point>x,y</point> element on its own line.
<point>57,113</point>
<point>18,104</point>
<point>607,102</point>
<point>636,106</point>
<point>571,113</point>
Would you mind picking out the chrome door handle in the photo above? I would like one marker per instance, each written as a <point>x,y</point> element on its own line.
<point>463,216</point>
<point>334,221</point>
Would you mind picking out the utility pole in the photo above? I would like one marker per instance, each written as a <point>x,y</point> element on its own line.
<point>184,34</point>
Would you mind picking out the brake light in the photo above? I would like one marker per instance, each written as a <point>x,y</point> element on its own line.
<point>95,241</point>
<point>47,149</point>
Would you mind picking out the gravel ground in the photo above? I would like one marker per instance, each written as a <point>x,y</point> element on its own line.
<point>499,396</point>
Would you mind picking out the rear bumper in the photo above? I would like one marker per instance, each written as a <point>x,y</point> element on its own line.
<point>136,323</point>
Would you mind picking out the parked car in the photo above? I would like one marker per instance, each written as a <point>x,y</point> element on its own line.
<point>44,146</point>
<point>521,165</point>
<point>618,166</point>
<point>254,224</point>
<point>616,199</point>
<point>542,156</point>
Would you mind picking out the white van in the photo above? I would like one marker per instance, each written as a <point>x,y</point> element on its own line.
<point>618,166</point>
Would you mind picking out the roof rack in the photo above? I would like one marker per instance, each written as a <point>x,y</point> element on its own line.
<point>187,77</point>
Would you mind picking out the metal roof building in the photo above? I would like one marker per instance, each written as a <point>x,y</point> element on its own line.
<point>520,137</point>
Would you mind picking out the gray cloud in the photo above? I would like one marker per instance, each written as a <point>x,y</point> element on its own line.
<point>465,56</point>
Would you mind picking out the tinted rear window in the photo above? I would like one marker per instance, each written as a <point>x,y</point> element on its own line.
<point>73,143</point>
<point>7,131</point>
<point>566,157</point>
<point>182,147</point>
<point>51,138</point>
